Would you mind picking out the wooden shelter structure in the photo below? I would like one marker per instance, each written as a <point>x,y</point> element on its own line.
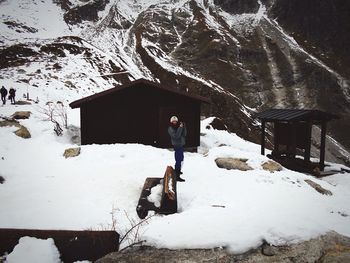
<point>292,130</point>
<point>138,112</point>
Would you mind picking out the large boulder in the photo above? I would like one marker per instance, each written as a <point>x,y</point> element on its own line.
<point>233,164</point>
<point>329,248</point>
<point>23,132</point>
<point>2,179</point>
<point>71,152</point>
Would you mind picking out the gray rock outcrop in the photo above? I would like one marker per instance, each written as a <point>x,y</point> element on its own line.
<point>329,248</point>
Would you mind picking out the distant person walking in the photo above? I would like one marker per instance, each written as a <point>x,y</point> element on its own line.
<point>3,92</point>
<point>177,131</point>
<point>12,95</point>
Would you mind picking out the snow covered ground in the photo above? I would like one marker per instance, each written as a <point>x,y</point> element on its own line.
<point>216,207</point>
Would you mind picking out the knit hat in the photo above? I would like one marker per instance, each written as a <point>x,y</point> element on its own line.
<point>174,118</point>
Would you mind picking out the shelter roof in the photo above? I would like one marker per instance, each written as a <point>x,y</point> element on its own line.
<point>276,115</point>
<point>145,83</point>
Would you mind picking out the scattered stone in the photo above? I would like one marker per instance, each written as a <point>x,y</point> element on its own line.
<point>318,188</point>
<point>9,122</point>
<point>217,124</point>
<point>329,248</point>
<point>23,132</point>
<point>71,152</point>
<point>272,166</point>
<point>233,164</point>
<point>2,179</point>
<point>21,115</point>
<point>268,250</point>
<point>23,102</point>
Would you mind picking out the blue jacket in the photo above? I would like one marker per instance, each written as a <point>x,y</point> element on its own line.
<point>177,136</point>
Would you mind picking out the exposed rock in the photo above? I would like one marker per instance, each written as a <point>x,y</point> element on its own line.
<point>218,124</point>
<point>318,188</point>
<point>23,132</point>
<point>233,163</point>
<point>238,6</point>
<point>328,248</point>
<point>2,179</point>
<point>272,166</point>
<point>88,11</point>
<point>15,55</point>
<point>153,255</point>
<point>23,102</point>
<point>9,122</point>
<point>71,152</point>
<point>21,115</point>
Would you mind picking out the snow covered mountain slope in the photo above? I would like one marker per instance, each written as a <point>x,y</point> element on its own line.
<point>237,55</point>
<point>234,52</point>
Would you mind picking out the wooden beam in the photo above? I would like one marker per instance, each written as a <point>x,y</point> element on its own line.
<point>323,144</point>
<point>262,137</point>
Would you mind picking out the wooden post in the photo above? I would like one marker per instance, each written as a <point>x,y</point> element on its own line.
<point>291,147</point>
<point>307,153</point>
<point>323,144</point>
<point>276,139</point>
<point>262,137</point>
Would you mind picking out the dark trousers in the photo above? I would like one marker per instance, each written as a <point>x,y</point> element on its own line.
<point>3,98</point>
<point>179,157</point>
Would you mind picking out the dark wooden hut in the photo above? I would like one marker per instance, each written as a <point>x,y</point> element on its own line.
<point>138,112</point>
<point>292,130</point>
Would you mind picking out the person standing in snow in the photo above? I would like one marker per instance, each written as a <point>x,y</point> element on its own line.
<point>178,132</point>
<point>12,95</point>
<point>3,92</point>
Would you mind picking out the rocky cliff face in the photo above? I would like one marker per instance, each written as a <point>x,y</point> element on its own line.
<point>245,55</point>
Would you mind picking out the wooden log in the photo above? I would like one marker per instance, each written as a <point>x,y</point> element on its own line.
<point>144,205</point>
<point>169,195</point>
<point>169,181</point>
<point>72,245</point>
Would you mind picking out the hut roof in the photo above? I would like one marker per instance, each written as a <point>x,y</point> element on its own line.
<point>145,83</point>
<point>272,115</point>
